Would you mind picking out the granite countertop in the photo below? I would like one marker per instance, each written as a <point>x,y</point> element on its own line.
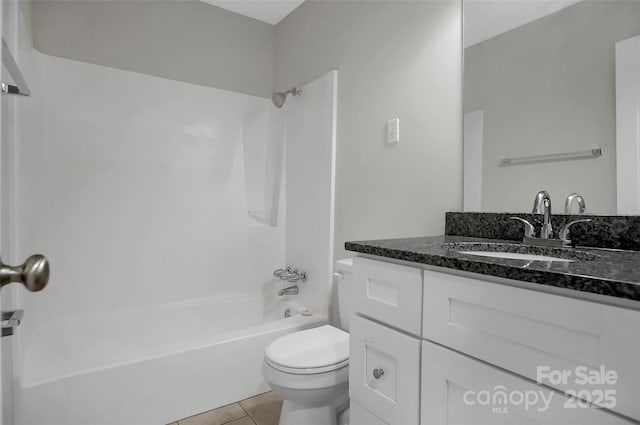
<point>614,273</point>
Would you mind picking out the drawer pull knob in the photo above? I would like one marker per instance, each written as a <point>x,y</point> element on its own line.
<point>377,373</point>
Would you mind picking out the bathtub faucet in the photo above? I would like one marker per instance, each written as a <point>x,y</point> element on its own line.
<point>290,275</point>
<point>291,290</point>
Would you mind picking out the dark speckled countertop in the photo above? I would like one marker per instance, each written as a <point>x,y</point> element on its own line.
<point>608,272</point>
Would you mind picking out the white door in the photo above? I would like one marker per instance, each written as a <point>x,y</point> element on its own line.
<point>628,125</point>
<point>33,272</point>
<point>2,377</point>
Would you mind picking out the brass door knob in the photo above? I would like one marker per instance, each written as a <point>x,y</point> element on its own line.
<point>33,273</point>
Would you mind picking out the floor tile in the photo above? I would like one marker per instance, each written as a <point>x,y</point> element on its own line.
<point>264,409</point>
<point>218,416</point>
<point>242,421</point>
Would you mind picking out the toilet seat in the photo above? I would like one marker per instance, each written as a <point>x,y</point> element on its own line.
<point>306,371</point>
<point>311,351</point>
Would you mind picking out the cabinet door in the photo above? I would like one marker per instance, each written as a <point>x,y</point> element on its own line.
<point>457,389</point>
<point>384,372</point>
<point>530,332</point>
<point>389,293</point>
<point>360,416</point>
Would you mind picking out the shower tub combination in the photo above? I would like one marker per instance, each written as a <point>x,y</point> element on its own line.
<point>153,365</point>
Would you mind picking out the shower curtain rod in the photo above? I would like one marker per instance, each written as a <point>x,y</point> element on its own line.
<point>20,88</point>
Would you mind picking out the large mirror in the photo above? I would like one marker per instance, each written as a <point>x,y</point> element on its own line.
<point>540,102</point>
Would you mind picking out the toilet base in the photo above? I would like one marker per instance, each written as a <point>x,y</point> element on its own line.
<point>300,414</point>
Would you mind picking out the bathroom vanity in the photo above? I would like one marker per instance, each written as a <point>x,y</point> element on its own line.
<point>442,336</point>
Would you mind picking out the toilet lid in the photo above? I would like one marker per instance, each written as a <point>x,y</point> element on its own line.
<point>310,349</point>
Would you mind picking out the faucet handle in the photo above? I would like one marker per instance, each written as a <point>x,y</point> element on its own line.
<point>564,231</point>
<point>529,230</point>
<point>280,272</point>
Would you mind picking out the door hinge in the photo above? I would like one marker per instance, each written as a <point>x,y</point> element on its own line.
<point>10,320</point>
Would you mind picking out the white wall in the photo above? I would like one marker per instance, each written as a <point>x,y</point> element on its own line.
<point>185,40</point>
<point>395,59</point>
<point>473,132</point>
<point>628,126</point>
<point>134,187</point>
<point>549,87</point>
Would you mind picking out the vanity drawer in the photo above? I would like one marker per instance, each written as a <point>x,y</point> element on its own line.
<point>389,293</point>
<point>457,389</point>
<point>384,370</point>
<point>521,330</point>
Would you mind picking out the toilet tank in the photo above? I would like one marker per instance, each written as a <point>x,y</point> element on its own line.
<point>344,273</point>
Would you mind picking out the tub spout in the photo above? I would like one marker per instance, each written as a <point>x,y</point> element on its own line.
<point>290,290</point>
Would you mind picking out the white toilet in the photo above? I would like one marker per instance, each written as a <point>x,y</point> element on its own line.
<point>309,369</point>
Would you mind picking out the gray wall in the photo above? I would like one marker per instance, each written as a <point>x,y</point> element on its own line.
<point>395,59</point>
<point>545,87</point>
<point>184,40</point>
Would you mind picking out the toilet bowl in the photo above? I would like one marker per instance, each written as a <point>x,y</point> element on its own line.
<point>309,369</point>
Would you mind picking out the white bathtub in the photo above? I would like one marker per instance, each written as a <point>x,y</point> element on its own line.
<point>151,365</point>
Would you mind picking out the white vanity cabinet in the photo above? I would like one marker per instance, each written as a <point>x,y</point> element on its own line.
<point>458,389</point>
<point>384,361</point>
<point>427,346</point>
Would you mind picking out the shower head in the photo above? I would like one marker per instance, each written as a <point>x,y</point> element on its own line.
<point>278,98</point>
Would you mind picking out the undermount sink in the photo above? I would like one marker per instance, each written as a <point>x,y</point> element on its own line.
<point>515,251</point>
<point>516,256</point>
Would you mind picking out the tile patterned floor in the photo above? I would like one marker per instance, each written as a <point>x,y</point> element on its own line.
<point>263,409</point>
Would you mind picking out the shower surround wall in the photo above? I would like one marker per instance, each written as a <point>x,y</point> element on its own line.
<point>136,186</point>
<point>310,125</point>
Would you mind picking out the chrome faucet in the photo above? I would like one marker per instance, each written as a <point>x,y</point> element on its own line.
<point>574,197</point>
<point>290,275</point>
<point>542,205</point>
<point>290,290</point>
